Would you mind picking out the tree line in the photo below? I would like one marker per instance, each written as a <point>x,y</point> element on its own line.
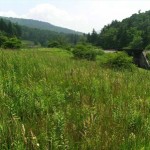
<point>45,36</point>
<point>131,33</point>
<point>9,34</point>
<point>10,31</point>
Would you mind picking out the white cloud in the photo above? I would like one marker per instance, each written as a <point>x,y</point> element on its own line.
<point>83,15</point>
<point>56,16</point>
<point>8,14</point>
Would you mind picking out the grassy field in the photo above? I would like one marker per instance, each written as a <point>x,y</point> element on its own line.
<point>50,101</point>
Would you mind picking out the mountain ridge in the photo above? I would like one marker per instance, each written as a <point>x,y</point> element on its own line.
<point>31,23</point>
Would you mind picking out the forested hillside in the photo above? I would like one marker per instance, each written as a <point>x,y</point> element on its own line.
<point>132,32</point>
<point>41,25</point>
<point>38,36</point>
<point>9,29</point>
<point>45,36</point>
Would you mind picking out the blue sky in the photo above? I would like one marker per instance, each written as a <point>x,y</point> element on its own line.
<point>80,15</point>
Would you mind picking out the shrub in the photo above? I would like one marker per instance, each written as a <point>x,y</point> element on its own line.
<point>54,44</point>
<point>12,43</point>
<point>147,47</point>
<point>99,52</point>
<point>84,52</point>
<point>148,56</point>
<point>3,39</point>
<point>118,61</point>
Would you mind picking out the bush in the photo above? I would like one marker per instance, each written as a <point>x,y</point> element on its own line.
<point>3,39</point>
<point>12,43</point>
<point>99,52</point>
<point>84,52</point>
<point>147,47</point>
<point>148,56</point>
<point>54,44</point>
<point>118,61</point>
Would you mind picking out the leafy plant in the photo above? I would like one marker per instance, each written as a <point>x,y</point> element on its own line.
<point>147,47</point>
<point>3,39</point>
<point>82,51</point>
<point>54,44</point>
<point>118,61</point>
<point>137,42</point>
<point>148,56</point>
<point>12,43</point>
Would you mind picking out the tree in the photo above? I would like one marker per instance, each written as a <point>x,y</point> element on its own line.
<point>18,30</point>
<point>130,32</point>
<point>10,29</point>
<point>137,43</point>
<point>3,25</point>
<point>3,39</point>
<point>12,43</point>
<point>109,38</point>
<point>93,37</point>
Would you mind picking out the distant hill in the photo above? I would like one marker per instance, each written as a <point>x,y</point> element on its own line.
<point>41,25</point>
<point>9,28</point>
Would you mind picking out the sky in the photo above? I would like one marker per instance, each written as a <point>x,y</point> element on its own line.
<point>79,15</point>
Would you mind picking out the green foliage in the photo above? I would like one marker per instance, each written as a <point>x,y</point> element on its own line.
<point>41,25</point>
<point>3,39</point>
<point>132,32</point>
<point>137,41</point>
<point>92,38</point>
<point>83,51</point>
<point>8,31</point>
<point>148,56</point>
<point>147,47</point>
<point>11,29</point>
<point>61,43</point>
<point>99,51</point>
<point>29,44</point>
<point>54,44</point>
<point>50,101</point>
<point>44,37</point>
<point>39,32</point>
<point>110,35</point>
<point>118,61</point>
<point>12,43</point>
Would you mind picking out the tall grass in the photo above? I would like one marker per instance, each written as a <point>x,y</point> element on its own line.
<point>49,101</point>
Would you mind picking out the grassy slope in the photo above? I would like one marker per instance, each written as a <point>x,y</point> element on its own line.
<point>50,101</point>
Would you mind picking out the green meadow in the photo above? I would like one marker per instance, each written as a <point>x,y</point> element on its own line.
<point>50,101</point>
